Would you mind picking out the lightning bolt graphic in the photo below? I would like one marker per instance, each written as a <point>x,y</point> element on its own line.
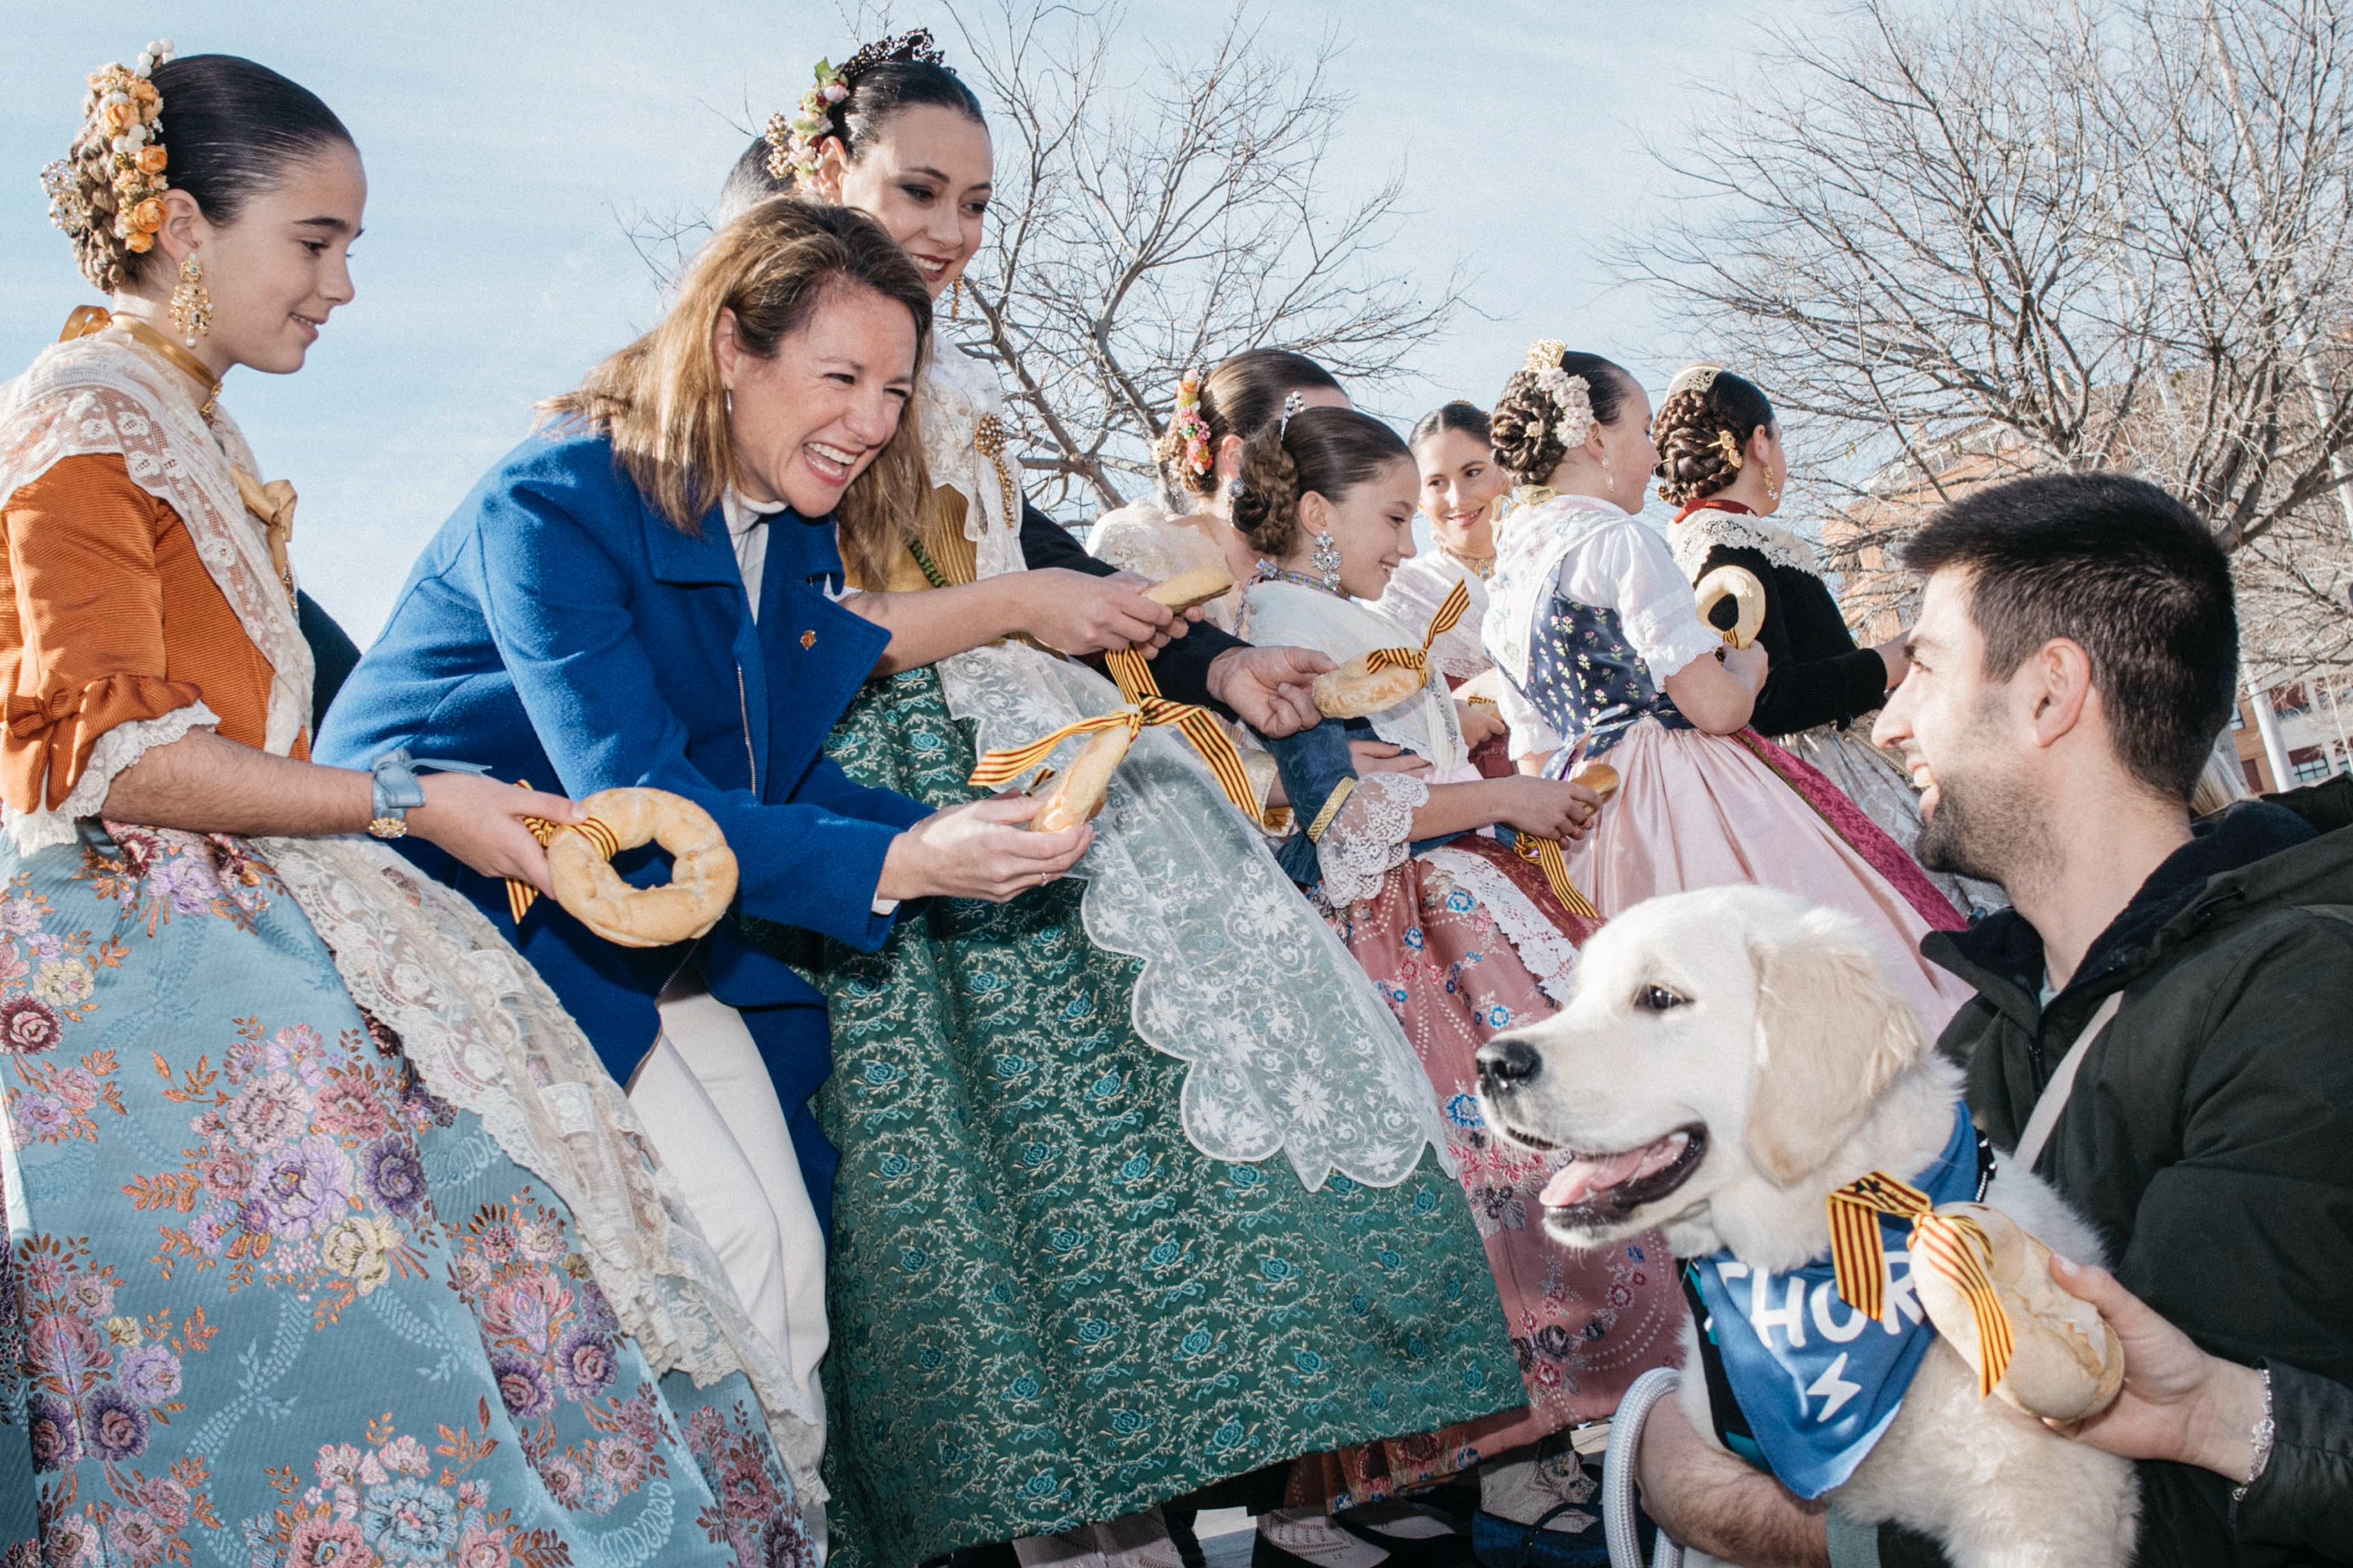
<point>1833,1388</point>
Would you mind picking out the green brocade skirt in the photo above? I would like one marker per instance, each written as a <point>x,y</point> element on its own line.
<point>1048,1307</point>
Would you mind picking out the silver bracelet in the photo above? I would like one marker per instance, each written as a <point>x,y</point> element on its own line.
<point>2261,1437</point>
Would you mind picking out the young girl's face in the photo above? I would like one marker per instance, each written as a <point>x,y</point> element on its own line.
<point>1460,482</point>
<point>1371,522</point>
<point>1629,452</point>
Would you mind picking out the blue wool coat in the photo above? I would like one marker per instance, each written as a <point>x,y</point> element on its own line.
<point>558,630</point>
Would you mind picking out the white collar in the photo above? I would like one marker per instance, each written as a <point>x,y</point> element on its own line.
<point>745,515</point>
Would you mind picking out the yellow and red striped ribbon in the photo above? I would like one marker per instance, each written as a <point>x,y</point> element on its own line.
<point>1547,854</point>
<point>1955,1246</point>
<point>1449,616</point>
<point>522,894</point>
<point>1005,765</point>
<point>1132,674</point>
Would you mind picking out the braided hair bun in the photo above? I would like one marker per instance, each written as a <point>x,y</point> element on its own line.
<point>1702,431</point>
<point>1329,451</point>
<point>1524,429</point>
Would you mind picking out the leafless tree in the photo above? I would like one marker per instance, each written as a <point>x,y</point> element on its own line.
<point>1154,218</point>
<point>1989,237</point>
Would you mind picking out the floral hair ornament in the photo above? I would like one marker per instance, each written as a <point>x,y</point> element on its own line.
<point>124,105</point>
<point>1189,433</point>
<point>793,139</point>
<point>1725,443</point>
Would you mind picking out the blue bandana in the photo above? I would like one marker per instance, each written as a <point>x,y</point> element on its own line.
<point>1817,1380</point>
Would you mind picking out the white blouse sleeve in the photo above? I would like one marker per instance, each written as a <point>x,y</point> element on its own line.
<point>1631,570</point>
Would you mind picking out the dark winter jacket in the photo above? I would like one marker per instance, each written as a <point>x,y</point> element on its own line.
<point>2210,1142</point>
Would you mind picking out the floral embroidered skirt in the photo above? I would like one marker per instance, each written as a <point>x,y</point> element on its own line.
<point>1462,942</point>
<point>1048,1307</point>
<point>265,1300</point>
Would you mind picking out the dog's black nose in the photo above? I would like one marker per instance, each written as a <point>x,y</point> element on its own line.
<point>1506,1063</point>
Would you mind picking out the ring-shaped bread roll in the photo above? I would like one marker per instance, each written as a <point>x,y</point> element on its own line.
<point>2065,1362</point>
<point>702,880</point>
<point>1740,584</point>
<point>1080,793</point>
<point>1355,690</point>
<point>1197,586</point>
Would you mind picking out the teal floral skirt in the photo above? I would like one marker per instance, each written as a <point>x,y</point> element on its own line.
<point>265,1300</point>
<point>1048,1307</point>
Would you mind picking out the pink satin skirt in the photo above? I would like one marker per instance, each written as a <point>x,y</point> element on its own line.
<point>1694,810</point>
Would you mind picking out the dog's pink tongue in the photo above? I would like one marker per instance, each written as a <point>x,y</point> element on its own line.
<point>1588,1173</point>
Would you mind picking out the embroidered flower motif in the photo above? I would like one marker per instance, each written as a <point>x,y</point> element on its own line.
<point>28,1027</point>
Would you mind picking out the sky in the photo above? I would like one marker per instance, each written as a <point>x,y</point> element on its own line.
<point>510,148</point>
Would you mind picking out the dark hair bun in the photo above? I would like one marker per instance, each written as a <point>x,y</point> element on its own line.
<point>1703,432</point>
<point>1525,427</point>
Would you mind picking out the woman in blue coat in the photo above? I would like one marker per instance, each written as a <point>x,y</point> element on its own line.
<point>642,594</point>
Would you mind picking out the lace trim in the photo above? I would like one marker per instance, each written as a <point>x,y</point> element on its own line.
<point>100,394</point>
<point>1291,1050</point>
<point>487,1034</point>
<point>109,755</point>
<point>958,391</point>
<point>1368,839</point>
<point>1696,536</point>
<point>1547,954</point>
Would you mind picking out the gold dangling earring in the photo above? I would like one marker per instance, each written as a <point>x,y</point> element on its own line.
<point>955,298</point>
<point>192,306</point>
<point>1772,486</point>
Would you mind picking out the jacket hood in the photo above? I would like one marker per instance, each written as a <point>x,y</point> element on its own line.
<point>2284,850</point>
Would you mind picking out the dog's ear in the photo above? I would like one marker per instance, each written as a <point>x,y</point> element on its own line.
<point>1832,1030</point>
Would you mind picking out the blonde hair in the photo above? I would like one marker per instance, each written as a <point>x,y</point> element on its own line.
<point>660,402</point>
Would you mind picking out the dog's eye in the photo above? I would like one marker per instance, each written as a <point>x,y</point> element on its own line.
<point>1657,999</point>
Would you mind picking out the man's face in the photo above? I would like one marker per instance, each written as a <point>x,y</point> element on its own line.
<point>1966,742</point>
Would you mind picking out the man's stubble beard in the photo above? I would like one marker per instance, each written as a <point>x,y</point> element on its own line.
<point>1985,826</point>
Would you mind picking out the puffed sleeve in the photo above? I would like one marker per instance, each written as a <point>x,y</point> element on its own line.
<point>1638,577</point>
<point>82,640</point>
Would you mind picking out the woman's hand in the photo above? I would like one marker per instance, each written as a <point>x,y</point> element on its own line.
<point>979,851</point>
<point>480,821</point>
<point>1899,663</point>
<point>1480,722</point>
<point>1748,665</point>
<point>1549,808</point>
<point>1381,757</point>
<point>2177,1402</point>
<point>1075,614</point>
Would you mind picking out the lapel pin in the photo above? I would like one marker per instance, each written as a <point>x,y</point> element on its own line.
<point>809,639</point>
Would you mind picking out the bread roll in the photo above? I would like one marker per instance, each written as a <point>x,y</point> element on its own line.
<point>1598,776</point>
<point>2065,1362</point>
<point>1354,691</point>
<point>1079,793</point>
<point>1741,584</point>
<point>702,880</point>
<point>1187,589</point>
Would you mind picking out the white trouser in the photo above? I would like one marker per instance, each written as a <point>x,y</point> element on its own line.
<point>707,1102</point>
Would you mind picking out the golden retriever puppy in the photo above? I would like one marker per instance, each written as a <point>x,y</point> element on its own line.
<point>1729,1059</point>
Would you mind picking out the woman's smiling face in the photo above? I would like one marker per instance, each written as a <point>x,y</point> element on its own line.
<point>1460,482</point>
<point>926,179</point>
<point>814,415</point>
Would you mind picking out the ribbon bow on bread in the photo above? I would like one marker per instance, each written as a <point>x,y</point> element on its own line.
<point>1374,683</point>
<point>1080,794</point>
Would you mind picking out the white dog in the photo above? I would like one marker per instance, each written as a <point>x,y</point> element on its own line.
<point>1728,1059</point>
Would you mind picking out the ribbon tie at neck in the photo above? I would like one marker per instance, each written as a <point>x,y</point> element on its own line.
<point>1003,766</point>
<point>273,505</point>
<point>1952,1246</point>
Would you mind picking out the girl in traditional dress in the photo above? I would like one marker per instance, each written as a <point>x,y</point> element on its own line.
<point>1461,484</point>
<point>328,1236</point>
<point>1722,465</point>
<point>1460,933</point>
<point>1595,629</point>
<point>1138,1188</point>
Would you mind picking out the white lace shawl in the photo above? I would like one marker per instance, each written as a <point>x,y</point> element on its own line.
<point>1618,563</point>
<point>1145,538</point>
<point>958,391</point>
<point>1711,528</point>
<point>104,394</point>
<point>483,1031</point>
<point>1298,615</point>
<point>1415,593</point>
<point>1291,1050</point>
